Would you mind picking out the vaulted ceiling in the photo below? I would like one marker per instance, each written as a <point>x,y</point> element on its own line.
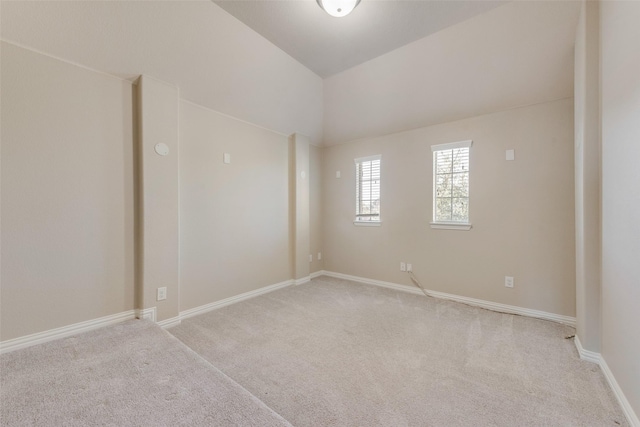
<point>286,65</point>
<point>328,45</point>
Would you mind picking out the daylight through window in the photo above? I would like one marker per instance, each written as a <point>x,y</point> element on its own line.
<point>368,189</point>
<point>451,182</point>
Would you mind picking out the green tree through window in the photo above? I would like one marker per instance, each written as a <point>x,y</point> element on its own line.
<point>451,182</point>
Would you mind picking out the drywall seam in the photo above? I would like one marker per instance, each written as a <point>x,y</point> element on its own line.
<point>233,117</point>
<point>130,80</point>
<point>489,305</point>
<point>65,331</point>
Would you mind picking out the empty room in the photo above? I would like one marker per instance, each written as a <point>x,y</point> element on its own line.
<point>320,213</point>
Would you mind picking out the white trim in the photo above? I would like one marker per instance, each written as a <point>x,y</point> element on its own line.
<point>443,224</point>
<point>588,355</point>
<point>452,145</point>
<point>232,300</point>
<point>367,223</point>
<point>317,274</point>
<point>489,305</point>
<point>597,358</point>
<point>302,280</point>
<point>451,225</point>
<point>632,418</point>
<point>368,158</point>
<point>65,331</point>
<point>147,313</point>
<point>168,323</point>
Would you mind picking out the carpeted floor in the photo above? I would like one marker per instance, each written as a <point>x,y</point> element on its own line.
<point>328,353</point>
<point>337,353</point>
<point>130,374</point>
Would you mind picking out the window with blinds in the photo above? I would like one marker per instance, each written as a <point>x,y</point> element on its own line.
<point>451,183</point>
<point>368,189</point>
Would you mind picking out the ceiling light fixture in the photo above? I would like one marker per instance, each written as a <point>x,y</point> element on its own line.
<point>338,8</point>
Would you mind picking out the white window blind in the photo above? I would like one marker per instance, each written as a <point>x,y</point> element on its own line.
<point>368,189</point>
<point>451,182</point>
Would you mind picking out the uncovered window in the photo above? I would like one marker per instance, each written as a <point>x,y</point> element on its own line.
<point>451,185</point>
<point>368,190</point>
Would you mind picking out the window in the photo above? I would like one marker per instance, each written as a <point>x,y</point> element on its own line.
<point>451,185</point>
<point>368,190</point>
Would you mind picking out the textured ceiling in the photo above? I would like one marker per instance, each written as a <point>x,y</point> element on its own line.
<point>328,45</point>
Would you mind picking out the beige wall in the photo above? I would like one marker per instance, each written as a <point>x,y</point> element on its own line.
<point>315,207</point>
<point>213,58</point>
<point>233,217</point>
<point>158,123</point>
<point>299,205</point>
<point>67,194</point>
<point>68,186</point>
<point>587,176</point>
<point>522,211</point>
<point>620,58</point>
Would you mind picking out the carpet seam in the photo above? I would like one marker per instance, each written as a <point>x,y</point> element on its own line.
<point>185,345</point>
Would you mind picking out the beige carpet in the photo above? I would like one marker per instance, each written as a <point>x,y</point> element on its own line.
<point>337,353</point>
<point>131,374</point>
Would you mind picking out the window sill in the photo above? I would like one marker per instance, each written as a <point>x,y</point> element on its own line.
<point>367,223</point>
<point>451,226</point>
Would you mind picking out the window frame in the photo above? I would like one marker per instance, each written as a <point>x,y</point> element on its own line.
<point>450,225</point>
<point>357,220</point>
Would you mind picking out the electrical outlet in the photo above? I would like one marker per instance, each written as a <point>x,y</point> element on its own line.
<point>508,281</point>
<point>403,266</point>
<point>409,267</point>
<point>310,258</point>
<point>319,256</point>
<point>162,294</point>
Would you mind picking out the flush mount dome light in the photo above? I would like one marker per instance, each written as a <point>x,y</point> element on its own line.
<point>338,8</point>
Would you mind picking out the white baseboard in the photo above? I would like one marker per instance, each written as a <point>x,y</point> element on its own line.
<point>151,314</point>
<point>146,313</point>
<point>65,331</point>
<point>168,323</point>
<point>316,274</point>
<point>588,355</point>
<point>234,299</point>
<point>632,418</point>
<point>597,358</point>
<point>302,280</point>
<point>570,321</point>
<point>489,305</point>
